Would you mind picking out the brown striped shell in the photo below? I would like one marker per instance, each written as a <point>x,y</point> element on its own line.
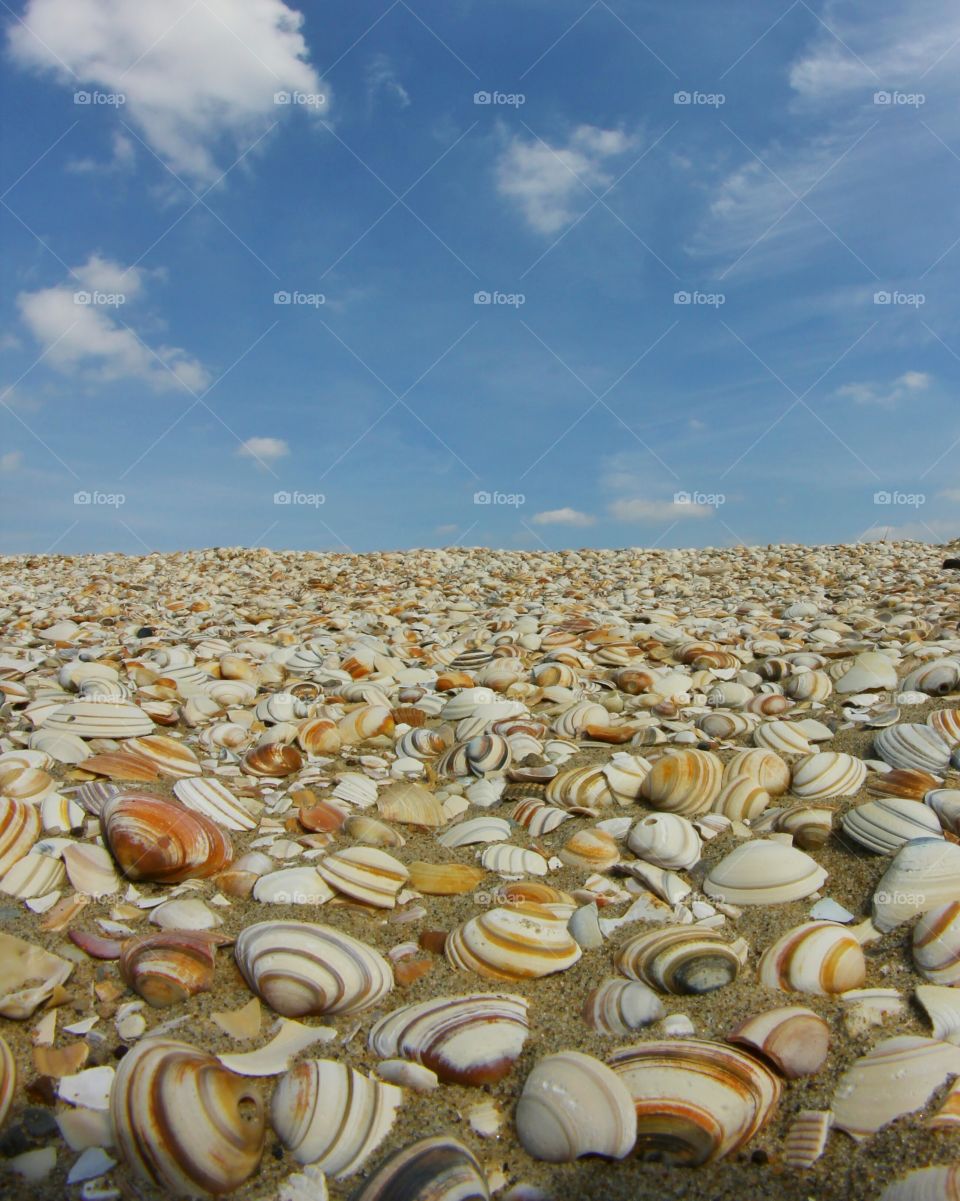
<point>154,839</point>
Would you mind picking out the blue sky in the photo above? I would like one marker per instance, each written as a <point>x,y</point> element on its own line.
<point>792,171</point>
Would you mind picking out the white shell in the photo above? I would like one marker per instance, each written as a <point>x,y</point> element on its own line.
<point>476,829</point>
<point>925,1184</point>
<point>924,874</point>
<point>870,671</point>
<point>895,1077</point>
<point>910,745</point>
<point>806,1140</point>
<point>828,774</point>
<point>513,861</point>
<point>365,873</point>
<point>820,958</point>
<point>942,1005</point>
<point>884,825</point>
<point>293,886</point>
<point>781,736</point>
<point>666,840</point>
<point>99,719</point>
<point>622,1006</point>
<point>763,872</point>
<point>936,944</point>
<point>522,941</point>
<point>215,801</point>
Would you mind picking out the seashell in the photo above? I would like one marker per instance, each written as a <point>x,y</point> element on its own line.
<point>766,767</point>
<point>806,1140</point>
<point>228,693</point>
<point>682,960</point>
<point>356,790</point>
<point>821,958</point>
<point>793,1039</point>
<point>537,818</point>
<point>19,830</point>
<point>183,1122</point>
<point>869,1007</point>
<point>948,1115</point>
<point>373,833</point>
<point>625,775</point>
<point>592,848</point>
<point>473,1039</point>
<point>827,774</point>
<point>696,1101</point>
<point>520,942</point>
<point>769,704</point>
<point>421,743</point>
<point>169,755</point>
<point>946,722</point>
<point>884,825</point>
<point>486,793</point>
<point>364,724</point>
<point>64,748</point>
<point>513,861</point>
<point>318,816</point>
<point>726,725</point>
<point>741,799</point>
<point>25,783</point>
<point>99,719</point>
<point>300,968</point>
<point>487,754</point>
<point>925,1184</point>
<point>444,879</point>
<point>318,736</point>
<point>574,720</point>
<point>558,902</point>
<point>428,1170</point>
<point>580,788</point>
<point>936,678</point>
<point>945,802</point>
<point>894,1078</point>
<point>215,801</point>
<point>729,694</point>
<point>329,1115</point>
<point>58,814</point>
<point>808,686</point>
<point>936,944</point>
<point>763,872</point>
<point>621,1006</point>
<point>809,825</point>
<point>868,672</point>
<point>90,870</point>
<point>784,737</point>
<point>685,782</point>
<point>942,1006</point>
<point>924,874</point>
<point>365,873</point>
<point>8,1079</point>
<point>153,839</point>
<point>410,804</point>
<point>28,976</point>
<point>34,875</point>
<point>573,1105</point>
<point>912,747</point>
<point>665,840</point>
<point>292,886</point>
<point>121,765</point>
<point>912,784</point>
<point>408,1075</point>
<point>272,759</point>
<point>168,967</point>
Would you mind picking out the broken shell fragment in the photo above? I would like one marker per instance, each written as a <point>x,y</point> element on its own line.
<point>8,1079</point>
<point>28,976</point>
<point>936,944</point>
<point>793,1039</point>
<point>806,1140</point>
<point>433,1169</point>
<point>444,879</point>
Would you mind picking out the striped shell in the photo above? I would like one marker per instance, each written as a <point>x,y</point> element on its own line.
<point>365,723</point>
<point>365,873</point>
<point>302,968</point>
<point>621,1006</point>
<point>793,1039</point>
<point>808,686</point>
<point>946,722</point>
<point>666,840</point>
<point>903,782</point>
<point>154,839</point>
<point>591,848</point>
<point>936,678</point>
<point>410,804</point>
<point>580,787</point>
<point>518,942</point>
<point>784,737</point>
<point>476,829</point>
<point>912,746</point>
<point>884,825</point>
<point>216,802</point>
<point>809,825</point>
<point>681,960</point>
<point>820,958</point>
<point>169,967</point>
<point>19,830</point>
<point>936,944</point>
<point>99,719</point>
<point>766,767</point>
<point>741,798</point>
<point>924,874</point>
<point>762,872</point>
<point>8,1079</point>
<point>945,802</point>
<point>432,1169</point>
<point>806,1140</point>
<point>827,774</point>
<point>726,725</point>
<point>685,782</point>
<point>169,755</point>
<point>509,860</point>
<point>538,818</point>
<point>274,759</point>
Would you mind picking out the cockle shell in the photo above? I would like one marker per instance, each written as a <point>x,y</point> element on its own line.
<point>936,944</point>
<point>154,839</point>
<point>685,782</point>
<point>913,746</point>
<point>795,1040</point>
<point>8,1079</point>
<point>300,968</point>
<point>19,830</point>
<point>666,840</point>
<point>433,1169</point>
<point>167,968</point>
<point>806,1140</point>
<point>766,767</point>
<point>884,825</point>
<point>518,942</point>
<point>762,872</point>
<point>573,1105</point>
<point>827,774</point>
<point>99,719</point>
<point>924,874</point>
<point>366,873</point>
<point>741,798</point>
<point>591,848</point>
<point>684,959</point>
<point>330,1115</point>
<point>473,1039</point>
<point>621,1006</point>
<point>820,958</point>
<point>895,1077</point>
<point>509,860</point>
<point>183,1122</point>
<point>696,1101</point>
<point>216,802</point>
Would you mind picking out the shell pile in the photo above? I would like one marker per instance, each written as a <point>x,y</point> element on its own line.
<point>456,874</point>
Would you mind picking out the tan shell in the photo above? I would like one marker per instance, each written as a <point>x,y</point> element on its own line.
<point>685,782</point>
<point>365,873</point>
<point>171,757</point>
<point>411,804</point>
<point>741,799</point>
<point>8,1079</point>
<point>766,767</point>
<point>272,759</point>
<point>167,968</point>
<point>621,1006</point>
<point>827,774</point>
<point>593,849</point>
<point>684,959</point>
<point>19,830</point>
<point>28,976</point>
<point>444,879</point>
<point>153,839</point>
<point>519,942</point>
<point>820,958</point>
<point>936,944</point>
<point>806,1140</point>
<point>793,1039</point>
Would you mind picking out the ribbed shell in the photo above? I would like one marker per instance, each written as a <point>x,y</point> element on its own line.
<point>216,802</point>
<point>828,774</point>
<point>99,719</point>
<point>513,861</point>
<point>806,1140</point>
<point>365,873</point>
<point>741,798</point>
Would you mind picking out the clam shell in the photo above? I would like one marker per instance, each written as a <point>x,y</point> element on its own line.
<point>685,782</point>
<point>433,1169</point>
<point>169,967</point>
<point>666,840</point>
<point>171,757</point>
<point>522,941</point>
<point>936,944</point>
<point>215,801</point>
<point>90,870</point>
<point>19,830</point>
<point>99,719</point>
<point>795,1040</point>
<point>410,804</point>
<point>924,874</point>
<point>318,736</point>
<point>820,958</point>
<point>895,1077</point>
<point>784,737</point>
<point>183,1122</point>
<point>869,671</point>
<point>573,1105</point>
<point>681,960</point>
<point>580,788</point>
<point>513,861</point>
<point>365,723</point>
<point>365,873</point>
<point>153,839</point>
<point>292,886</point>
<point>696,1101</point>
<point>444,879</point>
<point>330,1115</point>
<point>625,775</point>
<point>592,848</point>
<point>766,767</point>
<point>272,759</point>
<point>828,774</point>
<point>946,722</point>
<point>621,1006</point>
<point>884,825</point>
<point>300,968</point>
<point>912,747</point>
<point>741,798</point>
<point>808,686</point>
<point>945,802</point>
<point>809,825</point>
<point>942,1006</point>
<point>34,875</point>
<point>806,1140</point>
<point>935,679</point>
<point>762,872</point>
<point>726,725</point>
<point>905,783</point>
<point>371,832</point>
<point>925,1184</point>
<point>537,818</point>
<point>473,1039</point>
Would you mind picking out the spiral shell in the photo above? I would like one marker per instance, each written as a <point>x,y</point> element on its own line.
<point>696,1101</point>
<point>473,1039</point>
<point>665,840</point>
<point>518,942</point>
<point>153,839</point>
<point>795,1040</point>
<point>19,830</point>
<point>330,1115</point>
<point>301,968</point>
<point>433,1169</point>
<point>183,1122</point>
<point>168,967</point>
<point>827,774</point>
<point>682,960</point>
<point>936,944</point>
<point>884,825</point>
<point>913,747</point>
<point>766,767</point>
<point>762,872</point>
<point>275,759</point>
<point>621,1006</point>
<point>741,798</point>
<point>685,782</point>
<point>573,1105</point>
<point>820,958</point>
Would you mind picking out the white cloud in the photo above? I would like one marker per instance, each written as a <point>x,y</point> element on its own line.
<point>914,531</point>
<point>96,341</point>
<point>886,395</point>
<point>199,78</point>
<point>951,494</point>
<point>637,509</point>
<point>264,450</point>
<point>123,155</point>
<point>10,461</point>
<point>381,77</point>
<point>565,516</point>
<point>549,183</point>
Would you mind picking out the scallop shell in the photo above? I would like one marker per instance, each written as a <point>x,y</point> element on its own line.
<point>168,967</point>
<point>573,1105</point>
<point>509,860</point>
<point>473,1039</point>
<point>183,1122</point>
<point>806,1140</point>
<point>19,830</point>
<point>666,840</point>
<point>300,968</point>
<point>365,873</point>
<point>828,774</point>
<point>884,825</point>
<point>763,872</point>
<point>621,1006</point>
<point>795,1040</point>
<point>682,960</point>
<point>924,874</point>
<point>99,719</point>
<point>696,1101</point>
<point>153,839</point>
<point>741,799</point>
<point>591,848</point>
<point>329,1115</point>
<point>276,759</point>
<point>936,944</point>
<point>410,804</point>
<point>820,958</point>
<point>519,942</point>
<point>433,1169</point>
<point>8,1079</point>
<point>537,818</point>
<point>912,747</point>
<point>216,802</point>
<point>766,767</point>
<point>685,782</point>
